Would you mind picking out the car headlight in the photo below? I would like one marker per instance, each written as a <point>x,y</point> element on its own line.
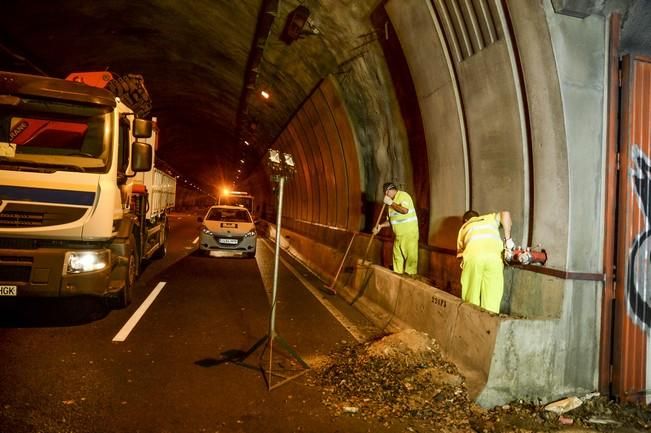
<point>205,230</point>
<point>250,233</point>
<point>78,262</point>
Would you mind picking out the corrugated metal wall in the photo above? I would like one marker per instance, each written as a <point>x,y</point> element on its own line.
<point>324,199</point>
<point>632,332</point>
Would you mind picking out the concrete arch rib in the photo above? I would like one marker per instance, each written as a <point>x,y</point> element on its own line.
<point>526,154</point>
<point>457,97</point>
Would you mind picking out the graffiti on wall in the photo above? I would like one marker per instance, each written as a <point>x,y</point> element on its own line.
<point>638,289</point>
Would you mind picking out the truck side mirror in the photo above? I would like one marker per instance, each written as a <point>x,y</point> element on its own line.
<point>141,156</point>
<point>142,128</point>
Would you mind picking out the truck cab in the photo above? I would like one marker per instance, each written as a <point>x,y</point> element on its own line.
<point>69,158</point>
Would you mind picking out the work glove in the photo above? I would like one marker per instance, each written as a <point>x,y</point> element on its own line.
<point>376,230</point>
<point>509,244</point>
<point>387,200</point>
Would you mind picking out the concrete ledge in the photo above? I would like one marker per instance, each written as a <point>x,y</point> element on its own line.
<point>503,358</point>
<point>465,333</point>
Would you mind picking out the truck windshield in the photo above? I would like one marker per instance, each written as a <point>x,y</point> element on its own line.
<point>47,135</point>
<point>235,200</point>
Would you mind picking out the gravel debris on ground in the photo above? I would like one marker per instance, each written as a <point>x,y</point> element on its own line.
<point>405,376</point>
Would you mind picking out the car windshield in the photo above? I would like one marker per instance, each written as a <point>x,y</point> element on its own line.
<point>47,135</point>
<point>229,215</point>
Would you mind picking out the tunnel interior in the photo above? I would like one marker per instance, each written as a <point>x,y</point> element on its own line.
<point>488,105</point>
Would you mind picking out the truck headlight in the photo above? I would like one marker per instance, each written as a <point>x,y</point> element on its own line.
<point>78,262</point>
<point>250,233</point>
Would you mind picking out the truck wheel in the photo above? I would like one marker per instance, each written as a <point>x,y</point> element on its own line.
<point>162,250</point>
<point>132,273</point>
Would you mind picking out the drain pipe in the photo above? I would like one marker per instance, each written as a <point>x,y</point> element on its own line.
<point>266,18</point>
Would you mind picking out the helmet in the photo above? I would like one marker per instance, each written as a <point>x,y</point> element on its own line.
<point>389,185</point>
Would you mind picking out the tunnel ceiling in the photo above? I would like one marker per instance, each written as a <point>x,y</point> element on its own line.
<point>193,56</point>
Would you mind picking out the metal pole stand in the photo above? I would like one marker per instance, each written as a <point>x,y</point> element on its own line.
<point>281,168</point>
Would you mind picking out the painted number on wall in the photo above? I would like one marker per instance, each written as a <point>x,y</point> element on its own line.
<point>438,301</point>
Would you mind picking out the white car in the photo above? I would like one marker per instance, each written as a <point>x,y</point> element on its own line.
<point>228,229</point>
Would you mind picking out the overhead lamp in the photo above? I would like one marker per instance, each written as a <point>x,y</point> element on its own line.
<point>246,142</point>
<point>289,160</point>
<point>241,161</point>
<point>280,164</point>
<point>274,156</point>
<point>265,94</point>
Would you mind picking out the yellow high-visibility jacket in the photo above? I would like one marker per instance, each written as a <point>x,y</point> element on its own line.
<point>403,224</point>
<point>480,236</point>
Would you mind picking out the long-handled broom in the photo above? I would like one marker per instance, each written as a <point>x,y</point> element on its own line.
<point>332,287</point>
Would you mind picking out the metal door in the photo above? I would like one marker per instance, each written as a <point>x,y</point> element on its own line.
<point>631,364</point>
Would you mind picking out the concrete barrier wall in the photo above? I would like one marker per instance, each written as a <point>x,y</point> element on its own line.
<point>503,358</point>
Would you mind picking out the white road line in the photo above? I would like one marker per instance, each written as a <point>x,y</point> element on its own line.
<point>195,240</point>
<point>350,327</point>
<point>133,320</point>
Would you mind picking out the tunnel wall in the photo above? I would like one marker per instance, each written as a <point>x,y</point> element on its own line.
<point>323,200</point>
<point>528,98</point>
<point>511,98</point>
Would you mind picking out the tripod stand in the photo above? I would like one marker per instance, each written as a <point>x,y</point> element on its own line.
<point>268,340</point>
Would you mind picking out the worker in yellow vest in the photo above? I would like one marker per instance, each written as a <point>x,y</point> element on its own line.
<point>403,221</point>
<point>479,246</point>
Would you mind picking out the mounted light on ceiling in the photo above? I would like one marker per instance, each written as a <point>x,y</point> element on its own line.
<point>296,20</point>
<point>246,142</point>
<point>265,94</point>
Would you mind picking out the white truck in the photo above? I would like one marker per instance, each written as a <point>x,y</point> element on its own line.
<point>81,205</point>
<point>237,198</point>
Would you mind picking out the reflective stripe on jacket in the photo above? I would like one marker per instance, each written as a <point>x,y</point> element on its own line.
<point>403,224</point>
<point>481,234</point>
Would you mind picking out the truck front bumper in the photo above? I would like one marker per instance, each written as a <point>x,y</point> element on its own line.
<point>41,272</point>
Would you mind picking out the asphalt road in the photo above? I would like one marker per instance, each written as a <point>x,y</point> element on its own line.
<point>174,371</point>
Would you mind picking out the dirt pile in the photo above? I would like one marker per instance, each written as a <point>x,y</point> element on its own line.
<point>405,376</point>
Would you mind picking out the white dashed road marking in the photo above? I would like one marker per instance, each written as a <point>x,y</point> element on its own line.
<point>350,327</point>
<point>133,320</point>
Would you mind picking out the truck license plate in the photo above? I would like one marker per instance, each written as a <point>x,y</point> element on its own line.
<point>8,290</point>
<point>228,241</point>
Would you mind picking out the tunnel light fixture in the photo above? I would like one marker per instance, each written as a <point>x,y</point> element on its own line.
<point>274,157</point>
<point>265,94</point>
<point>246,143</point>
<point>289,160</point>
<point>241,161</point>
<point>280,164</point>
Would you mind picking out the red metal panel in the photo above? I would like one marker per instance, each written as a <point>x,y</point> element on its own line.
<point>317,116</point>
<point>338,182</point>
<point>302,165</point>
<point>318,191</point>
<point>633,287</point>
<point>347,136</point>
